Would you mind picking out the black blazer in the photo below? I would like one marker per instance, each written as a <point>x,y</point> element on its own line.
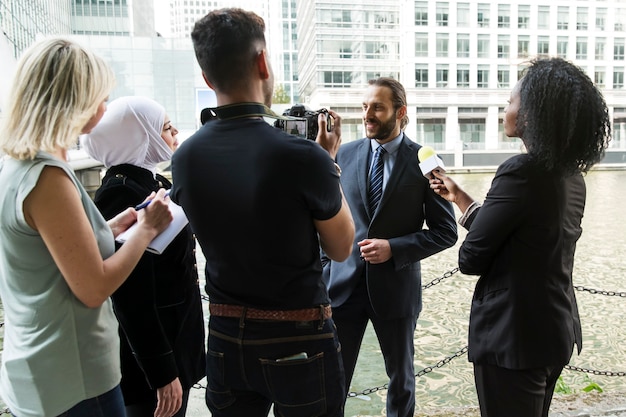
<point>521,242</point>
<point>159,306</point>
<point>394,287</point>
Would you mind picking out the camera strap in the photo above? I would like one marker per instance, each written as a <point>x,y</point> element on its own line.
<point>240,110</point>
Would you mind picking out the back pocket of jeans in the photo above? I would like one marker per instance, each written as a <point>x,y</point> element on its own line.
<point>216,392</point>
<point>297,385</point>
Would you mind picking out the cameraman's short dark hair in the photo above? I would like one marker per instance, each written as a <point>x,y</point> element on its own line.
<point>227,42</point>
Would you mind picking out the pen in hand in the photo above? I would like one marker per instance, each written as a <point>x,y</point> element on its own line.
<point>145,203</point>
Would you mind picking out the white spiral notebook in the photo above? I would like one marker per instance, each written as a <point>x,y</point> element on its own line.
<point>160,243</point>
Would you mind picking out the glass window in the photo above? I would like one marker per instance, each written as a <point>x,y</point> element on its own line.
<point>620,20</point>
<point>483,46</point>
<point>521,70</point>
<point>472,133</point>
<point>421,13</point>
<point>441,14</point>
<point>523,43</point>
<point>503,76</point>
<point>618,78</point>
<point>600,47</point>
<point>581,48</point>
<point>543,45</point>
<point>562,17</point>
<point>421,44</point>
<point>442,76</point>
<point>561,47</point>
<point>483,15</point>
<point>523,16</point>
<point>483,76</point>
<point>442,44</point>
<point>431,132</point>
<point>582,16</point>
<point>504,15</point>
<point>599,76</point>
<point>337,78</point>
<point>462,45</point>
<point>543,18</point>
<point>600,19</point>
<point>462,14</point>
<point>618,49</point>
<point>503,46</point>
<point>421,75</point>
<point>462,76</point>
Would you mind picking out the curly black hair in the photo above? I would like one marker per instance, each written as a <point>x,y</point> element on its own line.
<point>563,118</point>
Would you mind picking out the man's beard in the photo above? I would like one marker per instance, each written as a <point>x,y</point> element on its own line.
<point>385,129</point>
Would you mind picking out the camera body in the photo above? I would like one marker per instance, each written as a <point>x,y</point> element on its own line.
<point>303,121</point>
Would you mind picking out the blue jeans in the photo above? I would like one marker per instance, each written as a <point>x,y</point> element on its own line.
<point>252,364</point>
<point>109,404</point>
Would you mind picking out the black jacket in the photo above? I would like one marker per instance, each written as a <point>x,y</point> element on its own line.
<point>159,306</point>
<point>521,242</point>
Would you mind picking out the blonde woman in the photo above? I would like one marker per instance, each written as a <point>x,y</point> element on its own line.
<point>58,264</point>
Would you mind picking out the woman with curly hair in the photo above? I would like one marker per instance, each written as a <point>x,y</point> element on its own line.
<point>524,319</point>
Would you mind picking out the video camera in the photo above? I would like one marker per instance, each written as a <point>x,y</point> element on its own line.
<point>303,122</point>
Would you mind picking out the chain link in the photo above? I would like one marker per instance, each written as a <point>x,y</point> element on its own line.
<point>457,354</point>
<point>441,278</point>
<point>421,373</point>
<point>601,292</point>
<point>594,372</point>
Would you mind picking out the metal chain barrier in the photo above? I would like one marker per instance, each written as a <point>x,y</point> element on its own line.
<point>441,278</point>
<point>601,292</point>
<point>421,373</point>
<point>457,354</point>
<point>594,372</point>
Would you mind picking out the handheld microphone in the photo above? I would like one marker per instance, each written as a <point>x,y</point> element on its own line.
<point>429,161</point>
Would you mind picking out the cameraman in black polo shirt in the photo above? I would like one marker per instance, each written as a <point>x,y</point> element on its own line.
<point>261,202</point>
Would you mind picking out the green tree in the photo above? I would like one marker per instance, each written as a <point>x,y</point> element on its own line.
<point>280,96</point>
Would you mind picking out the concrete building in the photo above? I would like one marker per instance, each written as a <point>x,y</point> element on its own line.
<point>113,17</point>
<point>458,60</point>
<point>22,21</point>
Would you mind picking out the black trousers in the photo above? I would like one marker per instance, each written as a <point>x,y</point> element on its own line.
<point>515,393</point>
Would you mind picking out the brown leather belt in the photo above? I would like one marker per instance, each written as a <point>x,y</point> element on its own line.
<point>306,314</point>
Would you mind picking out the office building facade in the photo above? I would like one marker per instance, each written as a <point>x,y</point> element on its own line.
<point>458,61</point>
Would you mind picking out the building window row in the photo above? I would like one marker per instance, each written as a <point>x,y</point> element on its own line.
<point>544,45</point>
<point>480,76</point>
<point>524,16</point>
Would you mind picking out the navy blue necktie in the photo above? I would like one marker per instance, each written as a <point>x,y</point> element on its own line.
<point>376,179</point>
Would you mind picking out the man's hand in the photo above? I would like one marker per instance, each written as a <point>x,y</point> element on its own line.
<point>169,399</point>
<point>375,251</point>
<point>329,140</point>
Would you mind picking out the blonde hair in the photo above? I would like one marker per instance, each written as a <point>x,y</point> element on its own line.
<point>57,88</point>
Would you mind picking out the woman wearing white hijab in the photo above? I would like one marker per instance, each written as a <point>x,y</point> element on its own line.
<point>159,307</point>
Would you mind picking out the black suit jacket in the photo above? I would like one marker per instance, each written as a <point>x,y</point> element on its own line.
<point>159,306</point>
<point>522,242</point>
<point>394,287</point>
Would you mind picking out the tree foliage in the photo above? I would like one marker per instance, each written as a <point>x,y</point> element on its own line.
<point>280,95</point>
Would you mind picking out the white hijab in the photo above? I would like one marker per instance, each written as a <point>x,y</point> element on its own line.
<point>129,133</point>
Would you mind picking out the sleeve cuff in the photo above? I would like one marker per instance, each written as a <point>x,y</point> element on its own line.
<point>468,212</point>
<point>159,370</point>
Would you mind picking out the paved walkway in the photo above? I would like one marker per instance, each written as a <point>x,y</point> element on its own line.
<point>581,405</point>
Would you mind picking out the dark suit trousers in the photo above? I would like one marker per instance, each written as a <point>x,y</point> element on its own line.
<point>395,337</point>
<point>515,393</point>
